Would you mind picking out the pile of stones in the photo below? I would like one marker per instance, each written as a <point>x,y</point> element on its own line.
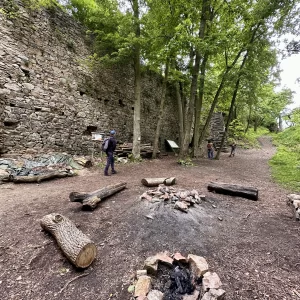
<point>179,198</point>
<point>187,278</point>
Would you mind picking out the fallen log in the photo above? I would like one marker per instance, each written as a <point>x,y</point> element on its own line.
<point>39,178</point>
<point>157,181</point>
<point>233,190</point>
<point>76,246</point>
<point>90,200</point>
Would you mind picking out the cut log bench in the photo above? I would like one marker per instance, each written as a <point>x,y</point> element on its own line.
<point>90,200</point>
<point>157,181</point>
<point>233,190</point>
<point>76,246</point>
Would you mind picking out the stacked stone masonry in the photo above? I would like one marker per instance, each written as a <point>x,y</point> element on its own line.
<point>51,101</point>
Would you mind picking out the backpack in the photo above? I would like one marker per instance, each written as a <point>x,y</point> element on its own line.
<point>105,144</point>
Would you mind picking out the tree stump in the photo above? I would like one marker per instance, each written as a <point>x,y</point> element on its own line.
<point>233,190</point>
<point>76,246</point>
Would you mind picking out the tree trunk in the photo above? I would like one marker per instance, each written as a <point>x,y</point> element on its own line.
<point>161,110</point>
<point>89,200</point>
<point>180,114</point>
<point>233,190</point>
<point>236,90</point>
<point>199,101</point>
<point>137,85</point>
<point>249,118</point>
<point>237,84</point>
<point>195,74</point>
<point>157,181</point>
<point>76,246</point>
<point>280,126</point>
<point>216,98</point>
<point>39,178</point>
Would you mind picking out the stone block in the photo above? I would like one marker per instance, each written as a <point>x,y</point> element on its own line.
<point>211,280</point>
<point>142,286</point>
<point>198,265</point>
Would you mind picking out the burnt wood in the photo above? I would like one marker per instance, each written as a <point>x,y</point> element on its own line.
<point>233,190</point>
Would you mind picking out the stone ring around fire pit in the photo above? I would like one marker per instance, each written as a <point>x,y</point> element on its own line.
<point>175,277</point>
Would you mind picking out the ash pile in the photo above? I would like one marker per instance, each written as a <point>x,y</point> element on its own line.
<point>175,277</point>
<point>177,198</point>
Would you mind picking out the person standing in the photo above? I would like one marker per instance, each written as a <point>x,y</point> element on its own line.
<point>233,147</point>
<point>210,149</point>
<point>110,148</point>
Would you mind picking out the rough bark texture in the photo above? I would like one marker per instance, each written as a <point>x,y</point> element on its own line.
<point>233,190</point>
<point>76,246</point>
<point>90,200</point>
<point>39,178</point>
<point>156,181</point>
<point>137,85</point>
<point>161,111</point>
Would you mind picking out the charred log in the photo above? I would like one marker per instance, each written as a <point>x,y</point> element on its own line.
<point>233,190</point>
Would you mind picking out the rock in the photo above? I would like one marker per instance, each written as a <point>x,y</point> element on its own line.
<point>155,295</point>
<point>131,289</point>
<point>211,280</point>
<point>142,286</point>
<point>220,218</point>
<point>214,294</point>
<point>178,257</point>
<point>181,206</point>
<point>293,197</point>
<point>198,265</point>
<point>164,257</point>
<point>28,86</point>
<point>151,263</point>
<point>194,296</point>
<point>141,273</point>
<point>4,176</point>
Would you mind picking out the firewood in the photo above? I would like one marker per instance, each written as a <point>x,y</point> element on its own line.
<point>90,200</point>
<point>76,246</point>
<point>234,190</point>
<point>157,181</point>
<point>39,178</point>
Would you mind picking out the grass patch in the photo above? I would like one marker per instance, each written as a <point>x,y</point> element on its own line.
<point>285,163</point>
<point>249,140</point>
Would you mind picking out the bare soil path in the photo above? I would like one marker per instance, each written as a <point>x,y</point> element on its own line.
<point>255,249</point>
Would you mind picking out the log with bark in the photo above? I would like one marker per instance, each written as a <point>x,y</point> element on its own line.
<point>76,246</point>
<point>157,181</point>
<point>41,177</point>
<point>90,200</point>
<point>233,190</point>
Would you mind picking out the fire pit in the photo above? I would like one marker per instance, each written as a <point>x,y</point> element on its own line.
<point>174,277</point>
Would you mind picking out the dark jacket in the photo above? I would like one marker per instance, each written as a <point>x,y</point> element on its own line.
<point>112,143</point>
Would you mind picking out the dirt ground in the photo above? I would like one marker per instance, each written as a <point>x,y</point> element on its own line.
<point>254,250</point>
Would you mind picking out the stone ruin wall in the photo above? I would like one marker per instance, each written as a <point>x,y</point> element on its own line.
<point>49,101</point>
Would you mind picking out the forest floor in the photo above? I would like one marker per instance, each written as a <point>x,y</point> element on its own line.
<point>254,249</point>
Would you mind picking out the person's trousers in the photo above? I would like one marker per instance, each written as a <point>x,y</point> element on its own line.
<point>210,153</point>
<point>110,162</point>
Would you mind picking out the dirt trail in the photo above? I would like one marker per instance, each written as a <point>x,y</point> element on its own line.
<point>255,249</point>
